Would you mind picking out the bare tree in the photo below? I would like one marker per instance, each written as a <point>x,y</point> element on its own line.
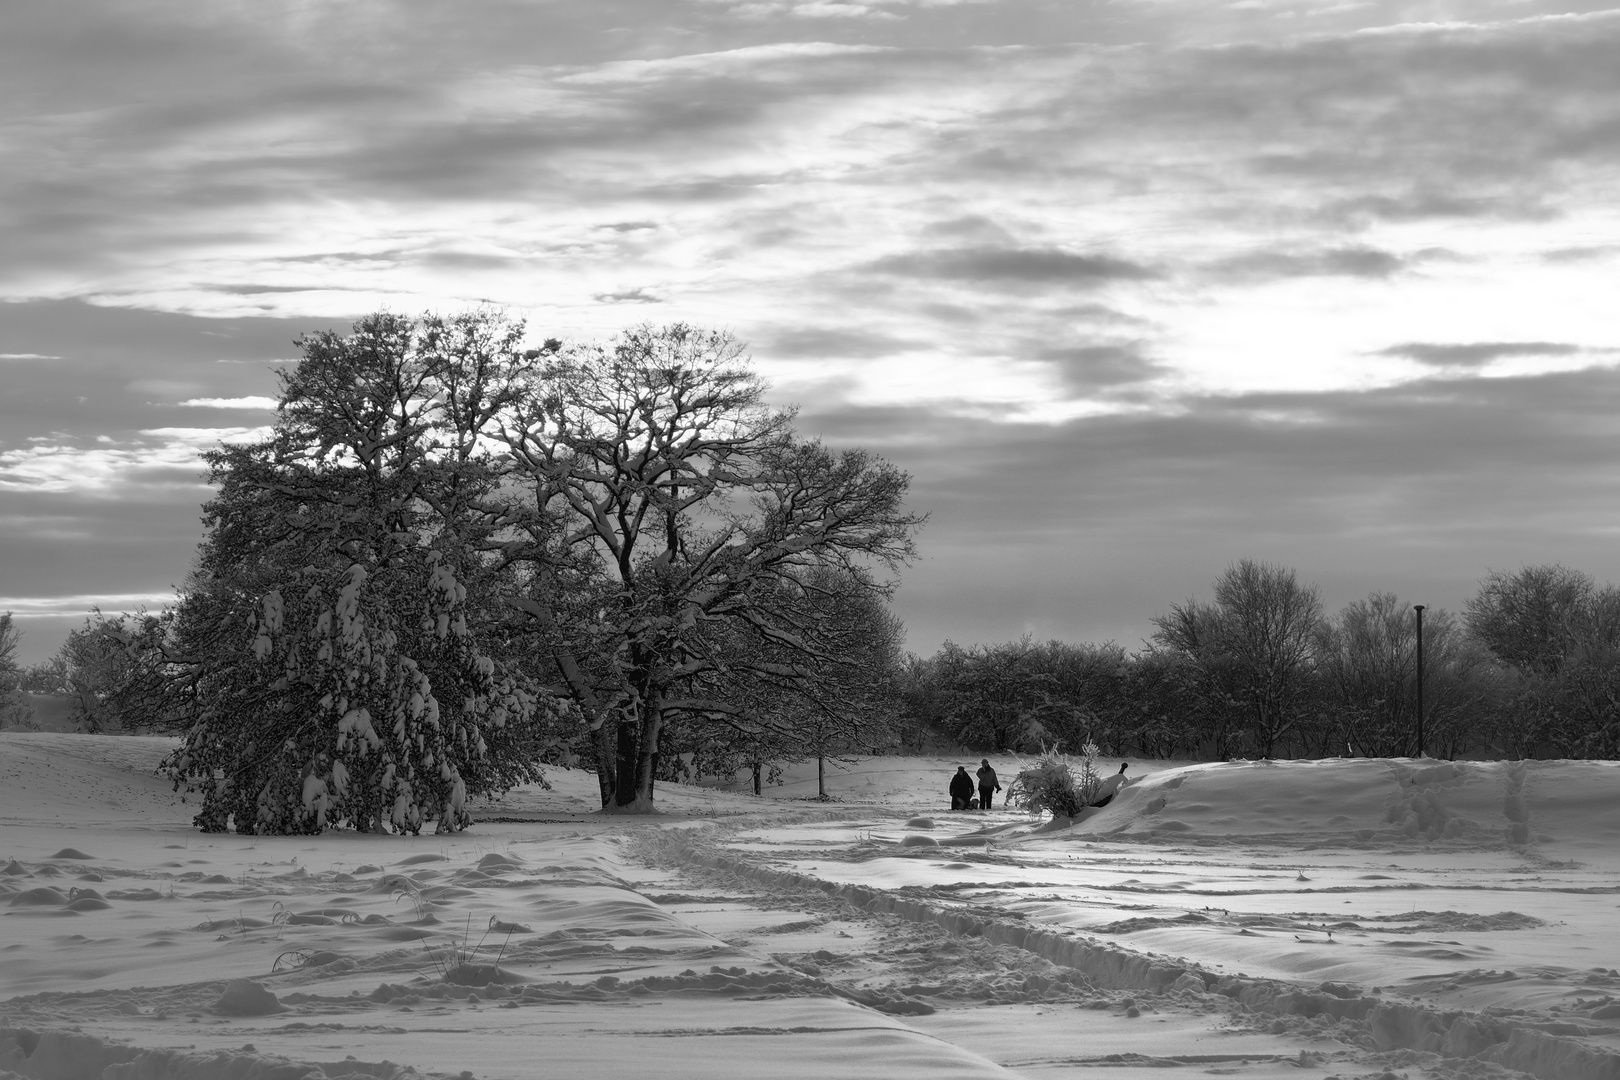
<point>1368,663</point>
<point>692,524</point>
<point>1256,645</point>
<point>1531,619</point>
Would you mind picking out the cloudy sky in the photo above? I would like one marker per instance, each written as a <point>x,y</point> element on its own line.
<point>1133,288</point>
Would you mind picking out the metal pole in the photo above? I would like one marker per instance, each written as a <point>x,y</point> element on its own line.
<point>1419,609</point>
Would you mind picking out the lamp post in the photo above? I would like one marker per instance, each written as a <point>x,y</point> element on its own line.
<point>1419,609</point>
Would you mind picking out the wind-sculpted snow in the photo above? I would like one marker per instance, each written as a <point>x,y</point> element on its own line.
<point>1360,800</point>
<point>1306,920</point>
<point>1536,1048</point>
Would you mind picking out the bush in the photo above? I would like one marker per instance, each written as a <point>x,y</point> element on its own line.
<point>1050,784</point>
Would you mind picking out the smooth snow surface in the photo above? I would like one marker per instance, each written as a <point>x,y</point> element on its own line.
<point>1307,920</point>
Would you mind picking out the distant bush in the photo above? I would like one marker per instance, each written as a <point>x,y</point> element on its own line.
<point>1050,784</point>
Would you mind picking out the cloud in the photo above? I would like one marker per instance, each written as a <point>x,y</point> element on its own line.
<point>110,472</point>
<point>252,402</point>
<point>1087,369</point>
<point>823,342</point>
<point>828,9</point>
<point>116,371</point>
<point>628,296</point>
<point>27,356</point>
<point>1429,205</point>
<point>1418,489</point>
<point>1013,266</point>
<point>207,437</point>
<point>1581,253</point>
<point>1356,262</point>
<point>76,606</point>
<point>259,290</point>
<point>1476,354</point>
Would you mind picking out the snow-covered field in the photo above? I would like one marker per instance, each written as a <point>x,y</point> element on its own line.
<point>1292,919</point>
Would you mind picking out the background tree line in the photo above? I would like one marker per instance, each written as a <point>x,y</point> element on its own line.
<point>1530,668</point>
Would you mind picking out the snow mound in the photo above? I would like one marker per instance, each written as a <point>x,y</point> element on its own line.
<point>1479,803</point>
<point>244,997</point>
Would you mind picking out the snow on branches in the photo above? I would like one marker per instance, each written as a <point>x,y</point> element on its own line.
<point>362,700</point>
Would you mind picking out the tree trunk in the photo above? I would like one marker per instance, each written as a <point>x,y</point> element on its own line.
<point>606,738</point>
<point>624,757</point>
<point>637,759</point>
<point>756,778</point>
<point>821,777</point>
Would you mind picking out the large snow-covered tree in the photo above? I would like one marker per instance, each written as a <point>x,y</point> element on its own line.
<point>331,656</point>
<point>706,561</point>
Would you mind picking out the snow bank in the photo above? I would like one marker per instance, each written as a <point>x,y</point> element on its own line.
<point>1366,800</point>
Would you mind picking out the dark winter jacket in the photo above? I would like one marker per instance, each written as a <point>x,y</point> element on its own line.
<point>961,785</point>
<point>987,778</point>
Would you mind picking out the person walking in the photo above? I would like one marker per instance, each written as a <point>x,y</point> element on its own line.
<point>961,789</point>
<point>987,783</point>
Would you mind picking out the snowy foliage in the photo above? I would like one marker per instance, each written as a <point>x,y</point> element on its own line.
<point>332,655</point>
<point>1054,784</point>
<point>361,700</point>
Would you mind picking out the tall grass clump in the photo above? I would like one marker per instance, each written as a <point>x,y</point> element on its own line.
<point>1054,784</point>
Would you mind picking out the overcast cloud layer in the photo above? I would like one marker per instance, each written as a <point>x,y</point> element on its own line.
<point>1133,289</point>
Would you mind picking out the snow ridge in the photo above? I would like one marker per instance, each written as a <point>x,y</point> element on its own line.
<point>1389,1026</point>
